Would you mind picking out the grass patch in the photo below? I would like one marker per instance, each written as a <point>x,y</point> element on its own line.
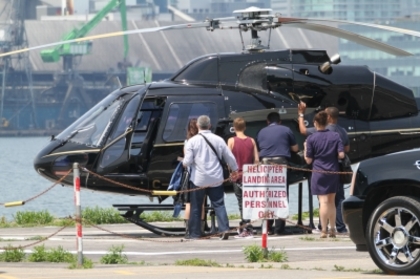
<point>97,215</point>
<point>35,218</point>
<point>4,223</point>
<point>53,255</point>
<point>59,255</point>
<point>377,271</point>
<point>305,215</point>
<point>197,262</point>
<point>158,216</point>
<point>39,254</point>
<point>255,253</point>
<point>318,269</point>
<point>115,256</point>
<point>343,269</point>
<point>266,267</point>
<point>12,254</point>
<point>86,264</point>
<point>36,238</point>
<point>307,238</point>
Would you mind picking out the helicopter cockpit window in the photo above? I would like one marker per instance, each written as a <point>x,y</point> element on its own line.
<point>126,119</point>
<point>181,113</point>
<point>90,128</point>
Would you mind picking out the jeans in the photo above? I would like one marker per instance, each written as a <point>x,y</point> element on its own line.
<point>216,196</point>
<point>237,188</point>
<point>339,198</point>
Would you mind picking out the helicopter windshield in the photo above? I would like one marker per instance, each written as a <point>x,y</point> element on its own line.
<point>91,128</point>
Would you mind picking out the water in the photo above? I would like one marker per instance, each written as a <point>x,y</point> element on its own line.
<point>19,181</point>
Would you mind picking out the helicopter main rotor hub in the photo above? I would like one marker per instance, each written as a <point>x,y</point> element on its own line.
<point>255,19</point>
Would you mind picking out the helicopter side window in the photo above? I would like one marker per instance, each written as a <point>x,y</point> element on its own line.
<point>125,120</point>
<point>181,113</point>
<point>144,119</point>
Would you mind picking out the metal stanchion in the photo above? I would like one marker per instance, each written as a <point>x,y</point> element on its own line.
<point>311,206</point>
<point>76,183</point>
<point>300,204</point>
<point>264,238</point>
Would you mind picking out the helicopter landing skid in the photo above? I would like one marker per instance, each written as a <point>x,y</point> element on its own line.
<point>133,212</point>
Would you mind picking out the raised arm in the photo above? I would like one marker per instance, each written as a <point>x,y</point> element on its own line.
<point>301,119</point>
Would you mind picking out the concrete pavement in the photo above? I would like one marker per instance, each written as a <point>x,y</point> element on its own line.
<point>152,256</point>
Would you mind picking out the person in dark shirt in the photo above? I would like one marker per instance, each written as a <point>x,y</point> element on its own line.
<point>323,149</point>
<point>245,151</point>
<point>275,143</point>
<point>332,125</point>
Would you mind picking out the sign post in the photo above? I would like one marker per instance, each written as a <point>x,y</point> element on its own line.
<point>79,244</point>
<point>264,195</point>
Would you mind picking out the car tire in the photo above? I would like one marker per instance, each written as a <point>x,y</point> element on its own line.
<point>393,235</point>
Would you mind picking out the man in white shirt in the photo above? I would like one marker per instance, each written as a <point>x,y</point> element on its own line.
<point>206,170</point>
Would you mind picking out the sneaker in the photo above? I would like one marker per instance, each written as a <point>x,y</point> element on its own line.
<point>245,234</point>
<point>224,236</point>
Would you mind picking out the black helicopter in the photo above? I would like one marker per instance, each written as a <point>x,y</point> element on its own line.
<point>136,133</point>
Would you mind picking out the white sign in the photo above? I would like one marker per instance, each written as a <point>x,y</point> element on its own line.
<point>264,192</point>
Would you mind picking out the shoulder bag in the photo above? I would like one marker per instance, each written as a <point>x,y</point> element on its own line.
<point>225,168</point>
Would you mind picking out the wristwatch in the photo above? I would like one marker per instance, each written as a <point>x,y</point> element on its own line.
<point>301,115</point>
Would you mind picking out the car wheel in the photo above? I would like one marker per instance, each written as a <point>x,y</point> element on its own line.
<point>393,235</point>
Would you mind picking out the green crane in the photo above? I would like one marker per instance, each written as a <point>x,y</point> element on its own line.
<point>70,83</point>
<point>68,51</point>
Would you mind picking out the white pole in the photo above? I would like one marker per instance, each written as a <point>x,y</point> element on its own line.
<point>264,238</point>
<point>79,244</point>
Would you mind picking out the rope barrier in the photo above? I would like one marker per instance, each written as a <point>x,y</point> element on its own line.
<point>18,203</point>
<point>172,193</point>
<point>36,242</point>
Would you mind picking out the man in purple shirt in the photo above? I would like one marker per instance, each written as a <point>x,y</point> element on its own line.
<point>275,143</point>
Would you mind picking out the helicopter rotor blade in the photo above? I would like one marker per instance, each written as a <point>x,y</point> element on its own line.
<point>210,25</point>
<point>344,34</point>
<point>379,26</point>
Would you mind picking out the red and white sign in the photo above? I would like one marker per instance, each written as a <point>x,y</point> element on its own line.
<point>264,192</point>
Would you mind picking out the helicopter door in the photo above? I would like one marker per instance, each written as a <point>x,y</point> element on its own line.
<point>172,131</point>
<point>113,161</point>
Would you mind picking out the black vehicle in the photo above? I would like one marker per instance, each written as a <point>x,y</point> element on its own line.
<point>383,211</point>
<point>135,135</point>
